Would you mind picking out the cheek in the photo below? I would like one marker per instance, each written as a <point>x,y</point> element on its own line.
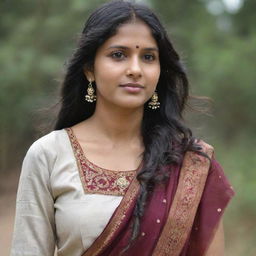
<point>154,75</point>
<point>106,72</point>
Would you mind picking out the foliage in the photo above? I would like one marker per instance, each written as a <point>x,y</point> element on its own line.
<point>36,38</point>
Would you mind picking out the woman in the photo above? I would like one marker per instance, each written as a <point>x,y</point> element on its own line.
<point>121,174</point>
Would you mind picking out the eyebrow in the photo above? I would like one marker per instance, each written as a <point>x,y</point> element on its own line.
<point>127,48</point>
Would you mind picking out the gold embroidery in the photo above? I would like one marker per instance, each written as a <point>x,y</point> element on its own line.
<point>96,179</point>
<point>122,182</point>
<point>192,179</point>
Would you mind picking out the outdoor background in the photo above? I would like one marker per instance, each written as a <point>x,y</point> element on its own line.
<point>217,42</point>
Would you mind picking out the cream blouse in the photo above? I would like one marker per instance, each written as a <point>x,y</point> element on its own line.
<point>53,208</point>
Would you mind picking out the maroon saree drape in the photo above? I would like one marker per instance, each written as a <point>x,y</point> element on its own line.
<point>180,217</point>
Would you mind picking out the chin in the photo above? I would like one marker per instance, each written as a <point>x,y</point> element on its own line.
<point>132,105</point>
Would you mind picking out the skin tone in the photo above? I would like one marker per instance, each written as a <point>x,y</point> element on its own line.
<point>126,71</point>
<point>217,246</point>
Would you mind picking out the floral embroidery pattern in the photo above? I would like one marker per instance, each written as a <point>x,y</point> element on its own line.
<point>96,179</point>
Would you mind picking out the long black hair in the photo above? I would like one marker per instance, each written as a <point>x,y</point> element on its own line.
<point>166,138</point>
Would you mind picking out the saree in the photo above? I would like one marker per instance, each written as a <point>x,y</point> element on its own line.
<point>180,216</point>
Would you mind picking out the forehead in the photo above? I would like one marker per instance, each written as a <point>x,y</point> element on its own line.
<point>132,34</point>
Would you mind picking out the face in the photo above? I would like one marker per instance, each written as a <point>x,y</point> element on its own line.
<point>126,67</point>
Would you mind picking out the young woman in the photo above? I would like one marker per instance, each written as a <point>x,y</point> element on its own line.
<point>121,174</point>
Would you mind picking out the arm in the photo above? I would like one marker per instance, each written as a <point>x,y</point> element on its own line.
<point>34,229</point>
<point>216,247</point>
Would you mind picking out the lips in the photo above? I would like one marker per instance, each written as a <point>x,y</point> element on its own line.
<point>133,88</point>
<point>133,85</point>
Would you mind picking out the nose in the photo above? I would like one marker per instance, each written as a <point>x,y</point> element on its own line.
<point>134,69</point>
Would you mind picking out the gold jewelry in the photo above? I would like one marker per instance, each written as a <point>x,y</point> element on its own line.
<point>154,103</point>
<point>90,96</point>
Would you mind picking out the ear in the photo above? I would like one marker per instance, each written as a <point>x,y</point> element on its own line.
<point>89,74</point>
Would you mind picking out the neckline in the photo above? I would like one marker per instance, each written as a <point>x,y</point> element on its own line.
<point>73,139</point>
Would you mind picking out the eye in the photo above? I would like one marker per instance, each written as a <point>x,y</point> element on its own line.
<point>117,55</point>
<point>149,57</point>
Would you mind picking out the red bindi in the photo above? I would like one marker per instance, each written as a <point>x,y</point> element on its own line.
<point>137,47</point>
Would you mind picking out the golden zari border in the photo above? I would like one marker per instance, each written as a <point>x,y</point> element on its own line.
<point>102,241</point>
<point>181,216</point>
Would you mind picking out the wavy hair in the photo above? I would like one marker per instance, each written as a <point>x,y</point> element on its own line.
<point>166,138</point>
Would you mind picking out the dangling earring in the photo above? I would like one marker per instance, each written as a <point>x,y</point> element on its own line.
<point>90,97</point>
<point>154,103</point>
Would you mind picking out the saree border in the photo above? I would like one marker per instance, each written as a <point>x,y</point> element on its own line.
<point>181,216</point>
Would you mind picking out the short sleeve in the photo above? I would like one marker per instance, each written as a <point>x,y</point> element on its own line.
<point>215,198</point>
<point>34,228</point>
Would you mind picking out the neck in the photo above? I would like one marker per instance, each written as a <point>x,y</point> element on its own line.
<point>118,125</point>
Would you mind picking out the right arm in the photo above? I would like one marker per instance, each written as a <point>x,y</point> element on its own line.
<point>34,229</point>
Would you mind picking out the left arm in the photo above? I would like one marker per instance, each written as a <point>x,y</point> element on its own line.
<point>216,247</point>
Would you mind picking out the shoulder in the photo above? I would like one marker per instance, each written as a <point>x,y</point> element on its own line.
<point>216,175</point>
<point>50,140</point>
<point>48,146</point>
<point>209,151</point>
<point>205,147</point>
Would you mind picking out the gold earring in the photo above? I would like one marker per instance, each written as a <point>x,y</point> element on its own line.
<point>154,103</point>
<point>90,96</point>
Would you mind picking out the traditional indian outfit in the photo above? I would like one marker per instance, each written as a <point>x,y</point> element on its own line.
<point>65,200</point>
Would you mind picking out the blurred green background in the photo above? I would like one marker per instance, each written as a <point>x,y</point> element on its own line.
<point>217,42</point>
